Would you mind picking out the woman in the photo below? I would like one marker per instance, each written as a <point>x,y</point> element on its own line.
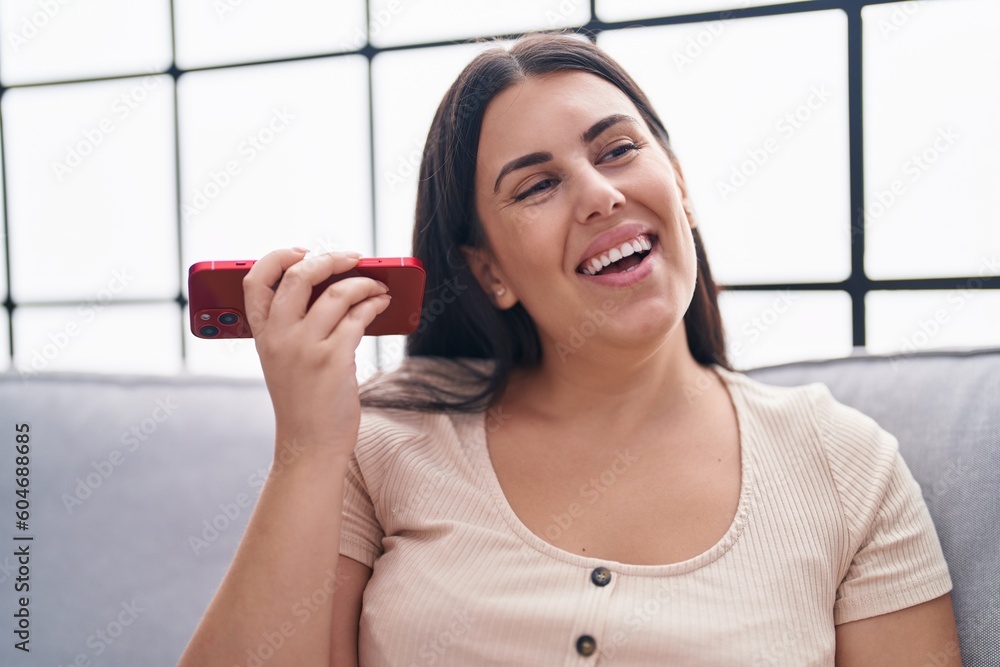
<point>565,470</point>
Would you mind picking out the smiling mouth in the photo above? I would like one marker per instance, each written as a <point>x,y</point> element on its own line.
<point>622,258</point>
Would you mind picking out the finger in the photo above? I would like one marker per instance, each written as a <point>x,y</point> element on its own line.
<point>260,281</point>
<point>351,327</point>
<point>336,300</point>
<point>291,299</point>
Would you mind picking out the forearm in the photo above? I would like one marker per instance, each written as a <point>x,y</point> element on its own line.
<point>280,587</point>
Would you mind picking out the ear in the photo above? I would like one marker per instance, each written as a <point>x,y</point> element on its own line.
<point>682,186</point>
<point>489,276</point>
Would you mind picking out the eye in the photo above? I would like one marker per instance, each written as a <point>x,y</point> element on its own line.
<point>620,150</point>
<point>537,187</point>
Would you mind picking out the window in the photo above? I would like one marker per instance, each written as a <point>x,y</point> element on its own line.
<point>837,153</point>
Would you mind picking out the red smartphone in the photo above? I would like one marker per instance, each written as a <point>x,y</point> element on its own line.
<point>215,295</point>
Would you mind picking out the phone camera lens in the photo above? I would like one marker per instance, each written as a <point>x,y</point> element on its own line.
<point>208,331</point>
<point>229,318</point>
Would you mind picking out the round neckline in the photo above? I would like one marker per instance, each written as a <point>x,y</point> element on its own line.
<point>730,381</point>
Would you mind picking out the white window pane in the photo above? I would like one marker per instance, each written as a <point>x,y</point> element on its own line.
<point>932,99</point>
<point>98,336</point>
<point>49,40</point>
<point>393,22</point>
<point>237,357</point>
<point>627,10</point>
<point>758,117</point>
<point>229,31</point>
<point>910,321</point>
<point>764,328</point>
<point>366,359</point>
<point>3,236</point>
<point>93,168</point>
<point>407,88</point>
<point>274,156</point>
<point>4,340</point>
<point>234,357</point>
<point>391,351</point>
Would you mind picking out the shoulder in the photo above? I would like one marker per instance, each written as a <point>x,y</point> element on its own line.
<point>383,428</point>
<point>861,456</point>
<point>429,383</point>
<point>400,448</point>
<point>840,426</point>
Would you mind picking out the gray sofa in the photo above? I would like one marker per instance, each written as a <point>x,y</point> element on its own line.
<point>140,488</point>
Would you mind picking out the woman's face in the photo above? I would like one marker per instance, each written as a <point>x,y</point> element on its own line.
<point>568,179</point>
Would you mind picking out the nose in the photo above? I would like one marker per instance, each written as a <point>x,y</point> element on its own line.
<point>597,196</point>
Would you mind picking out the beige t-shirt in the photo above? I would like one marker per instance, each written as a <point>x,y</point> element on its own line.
<point>831,527</point>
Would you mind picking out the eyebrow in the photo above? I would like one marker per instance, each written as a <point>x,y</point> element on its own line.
<point>603,124</point>
<point>531,159</point>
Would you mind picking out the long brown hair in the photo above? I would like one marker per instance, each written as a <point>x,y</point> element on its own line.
<point>459,322</point>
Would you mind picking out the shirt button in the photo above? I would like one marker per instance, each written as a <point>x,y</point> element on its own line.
<point>601,576</point>
<point>586,645</point>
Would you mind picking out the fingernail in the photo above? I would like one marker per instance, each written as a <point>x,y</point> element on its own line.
<point>384,286</point>
<point>352,253</point>
<point>299,248</point>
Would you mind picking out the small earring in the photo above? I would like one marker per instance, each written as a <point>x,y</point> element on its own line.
<point>500,291</point>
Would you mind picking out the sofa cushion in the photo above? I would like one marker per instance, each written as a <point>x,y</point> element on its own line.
<point>125,472</point>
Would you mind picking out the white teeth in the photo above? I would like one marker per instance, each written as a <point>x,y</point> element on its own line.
<point>595,264</point>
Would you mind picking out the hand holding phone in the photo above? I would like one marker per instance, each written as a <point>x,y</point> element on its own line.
<point>308,356</point>
<point>217,308</point>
